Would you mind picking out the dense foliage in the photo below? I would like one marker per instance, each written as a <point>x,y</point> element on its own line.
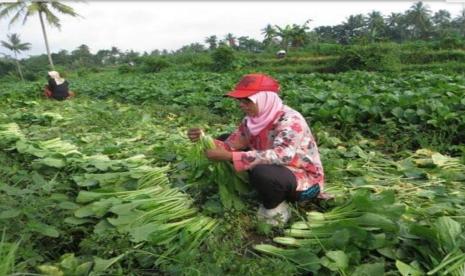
<point>106,183</point>
<point>418,33</point>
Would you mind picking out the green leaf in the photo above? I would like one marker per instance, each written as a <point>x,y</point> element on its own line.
<point>126,208</point>
<point>335,260</point>
<point>449,232</point>
<point>398,112</point>
<point>86,196</point>
<point>83,269</point>
<point>44,229</point>
<point>9,214</point>
<point>38,179</point>
<point>124,219</point>
<point>50,270</point>
<point>101,207</point>
<point>439,159</point>
<point>212,206</point>
<point>377,221</point>
<point>58,197</point>
<point>69,261</point>
<point>84,182</point>
<point>100,265</point>
<point>102,227</point>
<point>13,191</point>
<point>407,270</point>
<point>85,211</point>
<point>340,238</point>
<point>50,162</point>
<point>415,174</point>
<point>369,269</point>
<point>68,205</point>
<point>410,115</point>
<point>143,232</point>
<point>424,232</point>
<point>387,252</point>
<point>24,147</point>
<point>77,221</point>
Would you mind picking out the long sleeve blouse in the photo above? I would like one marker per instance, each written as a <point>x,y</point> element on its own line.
<point>287,141</point>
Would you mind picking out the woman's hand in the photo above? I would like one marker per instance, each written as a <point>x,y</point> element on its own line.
<point>194,134</point>
<point>219,154</point>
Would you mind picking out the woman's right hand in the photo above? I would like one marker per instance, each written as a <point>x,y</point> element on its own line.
<point>194,134</point>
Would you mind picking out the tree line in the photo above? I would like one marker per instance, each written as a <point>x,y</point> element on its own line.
<point>416,23</point>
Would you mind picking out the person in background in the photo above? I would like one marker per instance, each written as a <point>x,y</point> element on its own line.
<point>281,54</point>
<point>274,144</point>
<point>57,87</point>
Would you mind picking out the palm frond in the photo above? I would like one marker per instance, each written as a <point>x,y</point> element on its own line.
<point>31,9</point>
<point>15,44</point>
<point>7,8</point>
<point>11,8</point>
<point>62,8</point>
<point>7,45</point>
<point>14,38</point>
<point>52,19</point>
<point>24,46</point>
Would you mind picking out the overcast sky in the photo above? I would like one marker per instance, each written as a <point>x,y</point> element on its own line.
<point>148,25</point>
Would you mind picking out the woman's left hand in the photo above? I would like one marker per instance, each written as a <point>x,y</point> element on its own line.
<point>219,154</point>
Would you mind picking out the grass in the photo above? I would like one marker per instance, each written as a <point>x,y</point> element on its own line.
<point>7,255</point>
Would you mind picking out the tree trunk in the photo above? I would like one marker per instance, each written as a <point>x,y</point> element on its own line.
<point>46,41</point>
<point>19,68</point>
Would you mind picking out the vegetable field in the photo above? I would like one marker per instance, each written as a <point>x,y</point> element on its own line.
<point>108,183</point>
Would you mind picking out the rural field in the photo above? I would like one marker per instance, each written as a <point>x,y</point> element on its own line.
<point>108,183</point>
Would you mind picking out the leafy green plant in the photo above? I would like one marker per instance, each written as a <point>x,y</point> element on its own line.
<point>223,58</point>
<point>7,255</point>
<point>375,57</point>
<point>368,126</point>
<point>154,64</point>
<point>125,68</point>
<point>230,184</point>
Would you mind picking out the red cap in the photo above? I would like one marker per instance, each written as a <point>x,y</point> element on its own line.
<point>252,84</point>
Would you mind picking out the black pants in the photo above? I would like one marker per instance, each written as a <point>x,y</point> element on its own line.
<point>273,183</point>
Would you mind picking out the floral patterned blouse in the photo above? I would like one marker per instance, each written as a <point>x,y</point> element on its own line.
<point>287,141</point>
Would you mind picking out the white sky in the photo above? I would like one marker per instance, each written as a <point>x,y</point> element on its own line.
<point>148,25</point>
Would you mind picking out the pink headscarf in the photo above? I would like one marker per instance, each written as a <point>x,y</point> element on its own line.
<point>269,104</point>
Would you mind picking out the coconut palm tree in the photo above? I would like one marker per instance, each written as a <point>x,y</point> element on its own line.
<point>459,22</point>
<point>300,36</point>
<point>441,18</point>
<point>286,34</point>
<point>269,32</point>
<point>353,28</point>
<point>419,20</point>
<point>27,8</point>
<point>442,23</point>
<point>15,45</point>
<point>375,25</point>
<point>231,40</point>
<point>212,42</point>
<point>396,26</point>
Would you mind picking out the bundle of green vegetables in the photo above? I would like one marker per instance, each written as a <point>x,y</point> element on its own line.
<point>10,133</point>
<point>127,195</point>
<point>348,233</point>
<point>230,183</point>
<point>145,207</point>
<point>422,236</point>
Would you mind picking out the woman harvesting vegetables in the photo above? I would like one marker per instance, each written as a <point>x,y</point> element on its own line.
<point>275,144</point>
<point>57,87</point>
